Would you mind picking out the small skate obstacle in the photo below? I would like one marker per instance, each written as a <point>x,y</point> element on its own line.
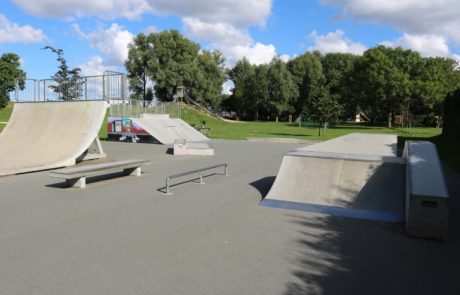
<point>76,177</point>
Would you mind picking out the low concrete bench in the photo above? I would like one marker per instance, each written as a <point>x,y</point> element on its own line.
<point>76,177</point>
<point>427,198</point>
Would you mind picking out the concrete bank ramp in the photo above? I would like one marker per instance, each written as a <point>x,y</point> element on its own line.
<point>167,130</point>
<point>358,175</point>
<point>46,135</point>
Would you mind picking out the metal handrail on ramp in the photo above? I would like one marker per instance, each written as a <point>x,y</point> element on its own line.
<point>169,178</point>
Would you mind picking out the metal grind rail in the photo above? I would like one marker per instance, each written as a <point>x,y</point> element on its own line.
<point>200,171</point>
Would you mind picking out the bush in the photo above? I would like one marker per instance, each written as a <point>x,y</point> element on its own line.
<point>451,128</point>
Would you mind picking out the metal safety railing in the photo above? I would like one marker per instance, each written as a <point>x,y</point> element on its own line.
<point>109,86</point>
<point>200,171</point>
<point>134,108</point>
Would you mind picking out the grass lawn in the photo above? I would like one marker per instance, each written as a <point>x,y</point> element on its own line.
<point>243,130</point>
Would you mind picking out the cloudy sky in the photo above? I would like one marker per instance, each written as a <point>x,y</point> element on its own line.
<point>94,33</point>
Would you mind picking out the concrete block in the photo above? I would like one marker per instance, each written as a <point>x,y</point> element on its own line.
<point>427,198</point>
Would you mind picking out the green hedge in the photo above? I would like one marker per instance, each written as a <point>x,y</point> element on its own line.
<point>451,125</point>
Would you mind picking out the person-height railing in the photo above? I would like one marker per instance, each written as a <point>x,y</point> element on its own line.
<point>109,86</point>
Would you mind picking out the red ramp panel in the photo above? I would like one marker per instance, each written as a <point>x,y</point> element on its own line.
<point>46,135</point>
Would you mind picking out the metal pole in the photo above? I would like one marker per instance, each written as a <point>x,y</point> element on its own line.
<point>103,87</point>
<point>226,170</point>
<point>167,185</point>
<point>201,177</point>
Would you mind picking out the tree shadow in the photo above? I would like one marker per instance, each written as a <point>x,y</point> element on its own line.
<point>339,255</point>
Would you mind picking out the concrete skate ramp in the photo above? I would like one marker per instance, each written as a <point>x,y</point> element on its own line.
<point>369,185</point>
<point>167,130</point>
<point>48,135</point>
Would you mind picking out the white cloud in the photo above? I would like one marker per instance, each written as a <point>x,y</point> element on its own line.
<point>113,42</point>
<point>235,43</point>
<point>240,13</point>
<point>108,9</point>
<point>335,42</point>
<point>227,87</point>
<point>220,33</point>
<point>150,29</point>
<point>426,45</point>
<point>94,66</point>
<point>237,12</point>
<point>285,57</point>
<point>411,16</point>
<point>11,32</point>
<point>256,53</point>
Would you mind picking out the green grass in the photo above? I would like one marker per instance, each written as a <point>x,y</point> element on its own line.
<point>243,130</point>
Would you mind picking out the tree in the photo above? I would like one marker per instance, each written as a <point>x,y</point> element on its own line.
<point>338,71</point>
<point>281,87</point>
<point>383,83</point>
<point>137,65</point>
<point>323,107</point>
<point>10,72</point>
<point>172,62</point>
<point>241,100</point>
<point>307,74</point>
<point>69,84</point>
<point>206,86</point>
<point>260,93</point>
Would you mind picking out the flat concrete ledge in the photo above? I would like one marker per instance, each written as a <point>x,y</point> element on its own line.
<point>427,197</point>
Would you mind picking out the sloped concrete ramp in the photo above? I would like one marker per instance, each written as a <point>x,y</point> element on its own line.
<point>167,130</point>
<point>355,176</point>
<point>48,135</point>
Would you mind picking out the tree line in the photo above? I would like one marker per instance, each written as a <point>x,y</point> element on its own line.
<point>332,87</point>
<point>381,83</point>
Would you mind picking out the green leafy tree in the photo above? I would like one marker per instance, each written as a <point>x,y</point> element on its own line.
<point>172,62</point>
<point>383,83</point>
<point>243,76</point>
<point>10,72</point>
<point>137,65</point>
<point>323,107</point>
<point>307,74</point>
<point>206,87</point>
<point>281,87</point>
<point>338,69</point>
<point>260,93</point>
<point>69,84</point>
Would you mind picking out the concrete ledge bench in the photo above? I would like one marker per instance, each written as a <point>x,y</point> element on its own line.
<point>427,198</point>
<point>76,176</point>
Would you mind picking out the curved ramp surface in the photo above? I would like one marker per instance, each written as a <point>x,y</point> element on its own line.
<point>48,135</point>
<point>167,130</point>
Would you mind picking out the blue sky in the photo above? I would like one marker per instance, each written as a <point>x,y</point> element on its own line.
<point>94,34</point>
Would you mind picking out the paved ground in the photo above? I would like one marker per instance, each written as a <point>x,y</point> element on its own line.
<point>123,236</point>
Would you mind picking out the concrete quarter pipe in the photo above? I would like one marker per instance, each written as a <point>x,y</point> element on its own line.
<point>46,135</point>
<point>358,176</point>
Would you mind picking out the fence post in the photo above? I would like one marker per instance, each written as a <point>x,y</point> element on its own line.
<point>167,185</point>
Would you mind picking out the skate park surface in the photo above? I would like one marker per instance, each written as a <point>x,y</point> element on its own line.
<point>124,236</point>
